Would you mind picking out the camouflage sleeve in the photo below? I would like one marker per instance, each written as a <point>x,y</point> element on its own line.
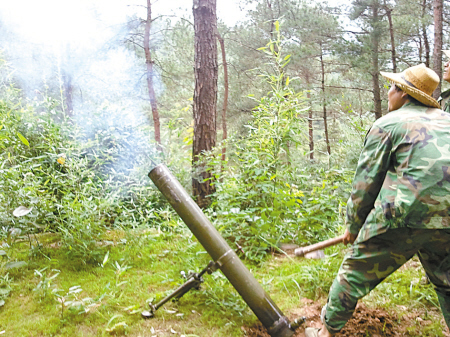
<point>373,164</point>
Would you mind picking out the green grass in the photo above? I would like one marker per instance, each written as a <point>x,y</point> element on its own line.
<point>145,265</point>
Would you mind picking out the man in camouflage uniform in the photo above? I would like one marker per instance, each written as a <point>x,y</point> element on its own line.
<point>400,200</point>
<point>444,100</point>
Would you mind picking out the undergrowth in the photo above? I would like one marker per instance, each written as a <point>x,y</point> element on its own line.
<point>142,266</point>
<point>73,183</point>
<point>269,192</point>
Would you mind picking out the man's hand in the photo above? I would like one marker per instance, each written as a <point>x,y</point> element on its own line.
<point>349,238</point>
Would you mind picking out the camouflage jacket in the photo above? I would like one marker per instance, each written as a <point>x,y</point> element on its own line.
<point>403,173</point>
<point>444,100</point>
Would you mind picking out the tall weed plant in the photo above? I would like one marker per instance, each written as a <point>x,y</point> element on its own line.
<point>265,197</point>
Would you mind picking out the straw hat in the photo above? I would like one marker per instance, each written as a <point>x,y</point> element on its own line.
<point>419,82</point>
<point>447,52</point>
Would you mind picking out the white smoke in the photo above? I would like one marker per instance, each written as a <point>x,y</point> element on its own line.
<point>49,41</point>
<point>46,40</point>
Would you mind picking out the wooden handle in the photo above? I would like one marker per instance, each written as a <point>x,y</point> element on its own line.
<point>320,245</point>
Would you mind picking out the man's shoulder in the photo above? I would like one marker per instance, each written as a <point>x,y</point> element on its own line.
<point>405,112</point>
<point>411,113</point>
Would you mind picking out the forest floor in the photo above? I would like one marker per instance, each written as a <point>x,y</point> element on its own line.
<point>106,298</point>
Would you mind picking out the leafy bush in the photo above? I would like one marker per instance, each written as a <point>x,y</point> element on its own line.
<point>266,196</point>
<point>75,182</point>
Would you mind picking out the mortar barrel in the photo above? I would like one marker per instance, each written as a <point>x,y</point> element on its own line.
<point>231,266</point>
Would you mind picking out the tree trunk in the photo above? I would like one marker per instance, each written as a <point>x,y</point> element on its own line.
<point>419,36</point>
<point>67,79</point>
<point>205,95</point>
<point>361,123</point>
<point>149,62</point>
<point>437,53</point>
<point>376,93</point>
<point>391,32</point>
<point>272,21</point>
<point>68,93</point>
<point>225,98</point>
<point>325,122</point>
<point>427,47</point>
<point>310,121</point>
<point>425,36</point>
<point>375,66</point>
<point>310,128</point>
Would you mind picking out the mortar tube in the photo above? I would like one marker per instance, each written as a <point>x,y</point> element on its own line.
<point>229,263</point>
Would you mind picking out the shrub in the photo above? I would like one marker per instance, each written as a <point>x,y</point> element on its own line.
<point>267,195</point>
<point>75,182</point>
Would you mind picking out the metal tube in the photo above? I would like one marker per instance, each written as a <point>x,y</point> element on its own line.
<point>231,266</point>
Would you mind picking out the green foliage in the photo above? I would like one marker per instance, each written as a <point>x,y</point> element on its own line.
<point>49,174</point>
<point>88,300</point>
<point>46,286</point>
<point>5,288</point>
<point>73,300</point>
<point>76,183</point>
<point>266,197</point>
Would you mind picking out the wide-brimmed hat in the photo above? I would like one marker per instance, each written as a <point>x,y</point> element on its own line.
<point>447,52</point>
<point>419,82</point>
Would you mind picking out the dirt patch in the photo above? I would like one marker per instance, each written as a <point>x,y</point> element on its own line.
<point>371,322</point>
<point>364,322</point>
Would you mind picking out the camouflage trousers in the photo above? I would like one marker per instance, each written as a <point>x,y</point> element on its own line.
<point>370,262</point>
